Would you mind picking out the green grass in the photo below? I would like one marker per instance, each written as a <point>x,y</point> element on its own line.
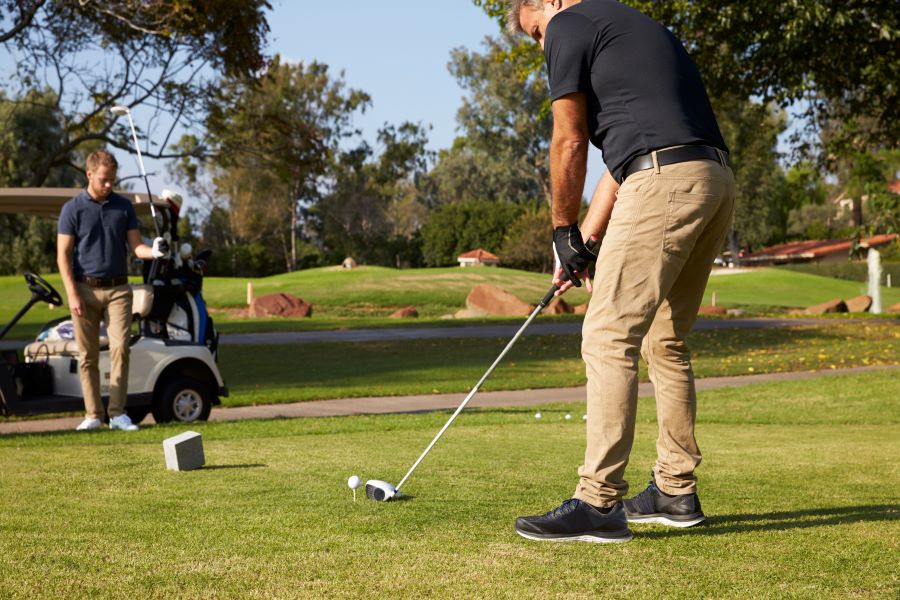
<point>366,296</point>
<point>290,373</point>
<point>799,481</point>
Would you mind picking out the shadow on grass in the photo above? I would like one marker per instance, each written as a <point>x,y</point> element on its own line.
<point>247,466</point>
<point>785,520</point>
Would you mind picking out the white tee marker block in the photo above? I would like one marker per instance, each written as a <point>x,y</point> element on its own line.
<point>184,452</point>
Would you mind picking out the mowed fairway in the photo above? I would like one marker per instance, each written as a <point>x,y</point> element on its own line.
<point>800,481</point>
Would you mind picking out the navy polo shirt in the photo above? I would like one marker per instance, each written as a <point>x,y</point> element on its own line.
<point>101,234</point>
<point>643,90</point>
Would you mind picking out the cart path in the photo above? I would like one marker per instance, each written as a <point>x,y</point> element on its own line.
<point>481,331</point>
<point>431,402</point>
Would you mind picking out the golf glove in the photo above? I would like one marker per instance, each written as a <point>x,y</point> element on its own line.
<point>160,248</point>
<point>571,253</point>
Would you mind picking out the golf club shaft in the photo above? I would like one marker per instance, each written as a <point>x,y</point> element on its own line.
<point>591,243</point>
<point>143,173</point>
<point>537,310</point>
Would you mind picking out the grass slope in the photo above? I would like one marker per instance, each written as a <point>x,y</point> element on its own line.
<point>364,297</point>
<point>799,482</point>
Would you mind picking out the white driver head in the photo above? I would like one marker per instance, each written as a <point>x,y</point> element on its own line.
<point>119,110</point>
<point>381,491</point>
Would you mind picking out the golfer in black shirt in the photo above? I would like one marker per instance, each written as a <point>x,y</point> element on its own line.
<point>661,211</point>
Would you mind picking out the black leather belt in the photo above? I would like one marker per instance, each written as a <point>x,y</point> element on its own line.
<point>100,282</point>
<point>671,156</point>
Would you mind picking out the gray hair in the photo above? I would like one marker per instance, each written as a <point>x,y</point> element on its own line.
<point>512,15</point>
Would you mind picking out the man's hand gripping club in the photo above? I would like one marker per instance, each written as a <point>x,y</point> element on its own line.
<point>573,257</point>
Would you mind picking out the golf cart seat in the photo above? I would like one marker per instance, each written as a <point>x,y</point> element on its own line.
<point>142,300</point>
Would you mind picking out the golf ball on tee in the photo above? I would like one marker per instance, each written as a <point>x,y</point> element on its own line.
<point>537,415</point>
<point>353,482</point>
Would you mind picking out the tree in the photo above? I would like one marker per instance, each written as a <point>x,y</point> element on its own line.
<point>840,61</point>
<point>502,151</point>
<point>94,54</point>
<point>373,211</point>
<point>456,228</point>
<point>525,245</point>
<point>27,135</point>
<point>271,142</point>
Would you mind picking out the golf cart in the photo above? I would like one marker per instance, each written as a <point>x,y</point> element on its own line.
<point>174,345</point>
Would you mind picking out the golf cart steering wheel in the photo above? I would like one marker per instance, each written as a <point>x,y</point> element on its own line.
<point>42,290</point>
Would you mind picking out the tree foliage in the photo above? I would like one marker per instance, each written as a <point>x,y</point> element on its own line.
<point>269,145</point>
<point>94,54</point>
<point>456,228</point>
<point>839,60</point>
<point>502,151</point>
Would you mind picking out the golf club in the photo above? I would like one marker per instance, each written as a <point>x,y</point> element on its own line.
<point>124,110</point>
<point>383,491</point>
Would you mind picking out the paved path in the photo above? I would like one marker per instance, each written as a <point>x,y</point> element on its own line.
<point>477,331</point>
<point>408,404</point>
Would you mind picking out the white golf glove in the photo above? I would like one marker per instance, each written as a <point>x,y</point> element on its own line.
<point>160,248</point>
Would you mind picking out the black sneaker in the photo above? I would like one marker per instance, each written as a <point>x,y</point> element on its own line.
<point>654,506</point>
<point>578,521</point>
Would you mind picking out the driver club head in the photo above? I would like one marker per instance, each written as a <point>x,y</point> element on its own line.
<point>119,110</point>
<point>380,491</point>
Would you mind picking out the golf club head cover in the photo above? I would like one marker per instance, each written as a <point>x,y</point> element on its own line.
<point>571,253</point>
<point>160,247</point>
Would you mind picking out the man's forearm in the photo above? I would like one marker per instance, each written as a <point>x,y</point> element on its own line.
<point>568,167</point>
<point>597,218</point>
<point>64,262</point>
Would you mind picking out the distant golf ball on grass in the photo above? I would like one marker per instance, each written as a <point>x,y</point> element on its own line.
<point>537,415</point>
<point>568,417</point>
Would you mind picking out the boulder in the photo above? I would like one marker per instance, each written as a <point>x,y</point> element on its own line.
<point>859,304</point>
<point>407,312</point>
<point>580,309</point>
<point>558,306</point>
<point>832,306</point>
<point>280,304</point>
<point>893,308</point>
<point>486,299</point>
<point>712,310</point>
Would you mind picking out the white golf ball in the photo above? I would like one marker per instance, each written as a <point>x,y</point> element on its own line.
<point>353,482</point>
<point>584,418</point>
<point>568,417</point>
<point>537,415</point>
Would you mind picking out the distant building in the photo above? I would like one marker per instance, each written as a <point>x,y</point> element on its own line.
<point>813,250</point>
<point>477,258</point>
<point>349,263</point>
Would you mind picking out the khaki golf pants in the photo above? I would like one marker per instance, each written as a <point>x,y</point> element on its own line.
<point>666,227</point>
<point>113,306</point>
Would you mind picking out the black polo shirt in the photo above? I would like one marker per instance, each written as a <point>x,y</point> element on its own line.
<point>101,234</point>
<point>643,90</point>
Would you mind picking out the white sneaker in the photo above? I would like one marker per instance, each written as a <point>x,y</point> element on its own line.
<point>89,424</point>
<point>122,422</point>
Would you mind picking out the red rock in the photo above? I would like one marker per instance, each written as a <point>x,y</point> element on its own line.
<point>893,308</point>
<point>712,310</point>
<point>859,304</point>
<point>407,312</point>
<point>580,309</point>
<point>558,306</point>
<point>280,304</point>
<point>487,299</point>
<point>832,306</point>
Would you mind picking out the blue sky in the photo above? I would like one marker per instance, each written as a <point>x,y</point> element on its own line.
<point>397,53</point>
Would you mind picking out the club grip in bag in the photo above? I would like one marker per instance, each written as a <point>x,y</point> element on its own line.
<point>590,244</point>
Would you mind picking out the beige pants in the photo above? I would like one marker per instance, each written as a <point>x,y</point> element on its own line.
<point>666,228</point>
<point>113,306</point>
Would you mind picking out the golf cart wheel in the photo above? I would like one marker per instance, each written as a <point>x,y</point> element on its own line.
<point>137,413</point>
<point>183,399</point>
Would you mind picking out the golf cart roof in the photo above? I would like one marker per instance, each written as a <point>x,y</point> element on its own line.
<point>47,202</point>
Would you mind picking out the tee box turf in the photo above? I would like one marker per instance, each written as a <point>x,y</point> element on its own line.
<point>184,452</point>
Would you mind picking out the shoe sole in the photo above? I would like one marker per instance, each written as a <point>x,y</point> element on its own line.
<point>662,519</point>
<point>577,538</point>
